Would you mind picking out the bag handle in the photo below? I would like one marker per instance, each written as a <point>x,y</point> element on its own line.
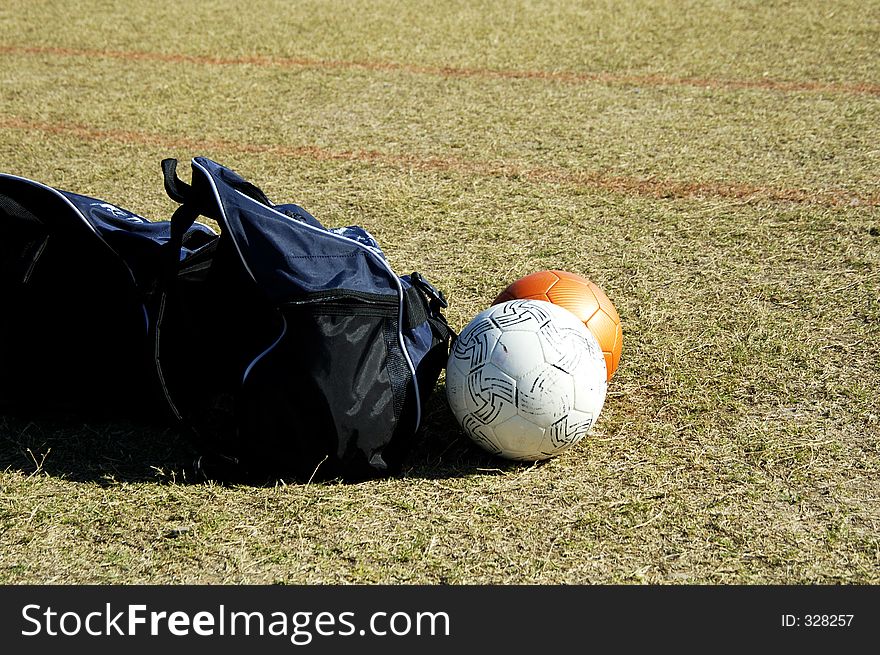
<point>182,219</point>
<point>176,188</point>
<point>179,191</point>
<point>424,302</point>
<point>197,200</point>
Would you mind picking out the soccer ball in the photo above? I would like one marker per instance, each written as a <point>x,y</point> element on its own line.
<point>526,379</point>
<point>581,297</point>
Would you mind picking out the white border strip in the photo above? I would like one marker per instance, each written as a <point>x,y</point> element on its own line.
<point>247,371</point>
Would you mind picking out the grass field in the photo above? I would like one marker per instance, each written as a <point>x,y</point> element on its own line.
<point>713,166</point>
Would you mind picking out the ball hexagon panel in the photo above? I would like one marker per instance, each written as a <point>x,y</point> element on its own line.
<point>589,392</point>
<point>566,342</point>
<point>534,286</point>
<point>520,438</point>
<point>518,352</point>
<point>520,315</point>
<point>546,397</point>
<point>577,296</point>
<point>606,331</point>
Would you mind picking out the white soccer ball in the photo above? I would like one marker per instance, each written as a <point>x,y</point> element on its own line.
<point>526,379</point>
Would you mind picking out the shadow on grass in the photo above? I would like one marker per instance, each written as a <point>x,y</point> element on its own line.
<point>94,449</point>
<point>109,451</point>
<point>443,450</point>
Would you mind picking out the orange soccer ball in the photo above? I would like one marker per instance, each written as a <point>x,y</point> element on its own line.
<point>581,297</point>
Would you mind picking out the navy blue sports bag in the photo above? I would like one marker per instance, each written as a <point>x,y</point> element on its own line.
<point>281,348</point>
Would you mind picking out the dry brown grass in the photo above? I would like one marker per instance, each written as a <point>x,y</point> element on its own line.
<point>739,441</point>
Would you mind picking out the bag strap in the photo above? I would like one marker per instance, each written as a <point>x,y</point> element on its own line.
<point>181,221</point>
<point>192,205</point>
<point>176,188</point>
<point>437,300</point>
<point>184,216</point>
<point>201,198</point>
<point>425,302</point>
